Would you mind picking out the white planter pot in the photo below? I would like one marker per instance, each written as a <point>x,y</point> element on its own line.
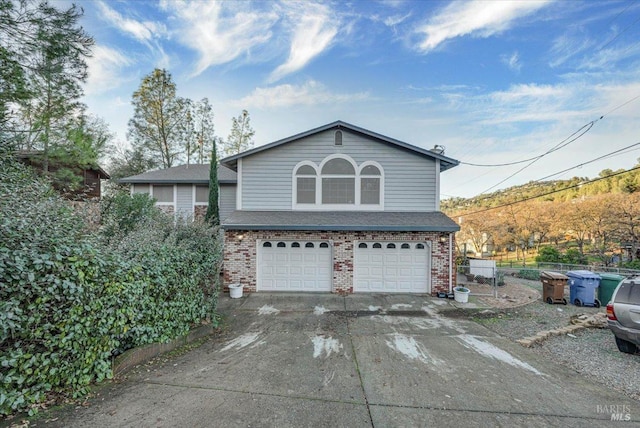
<point>461,296</point>
<point>235,291</point>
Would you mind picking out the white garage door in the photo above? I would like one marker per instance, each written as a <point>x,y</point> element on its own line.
<point>392,267</point>
<point>294,266</point>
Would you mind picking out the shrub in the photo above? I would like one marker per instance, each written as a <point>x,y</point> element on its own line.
<point>574,256</point>
<point>532,274</point>
<point>548,254</point>
<point>70,300</point>
<point>61,316</point>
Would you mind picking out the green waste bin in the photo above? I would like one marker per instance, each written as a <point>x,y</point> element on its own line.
<point>608,284</point>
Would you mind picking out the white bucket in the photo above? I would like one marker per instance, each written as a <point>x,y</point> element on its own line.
<point>461,296</point>
<point>235,291</point>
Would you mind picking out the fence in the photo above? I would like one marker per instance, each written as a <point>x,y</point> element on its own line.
<point>481,280</point>
<point>565,267</point>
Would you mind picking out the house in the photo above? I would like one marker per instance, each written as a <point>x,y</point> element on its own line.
<point>335,209</point>
<point>183,191</point>
<point>88,178</point>
<point>339,209</point>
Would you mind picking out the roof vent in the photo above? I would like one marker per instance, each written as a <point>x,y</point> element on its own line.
<point>438,149</point>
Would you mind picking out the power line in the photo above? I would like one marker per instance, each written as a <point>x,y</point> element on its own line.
<point>553,149</point>
<point>620,33</point>
<point>550,192</point>
<point>557,147</point>
<point>591,161</point>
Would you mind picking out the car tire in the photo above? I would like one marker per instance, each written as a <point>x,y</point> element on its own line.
<point>626,346</point>
<point>550,300</point>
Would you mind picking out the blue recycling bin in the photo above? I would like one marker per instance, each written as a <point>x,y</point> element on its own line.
<point>583,285</point>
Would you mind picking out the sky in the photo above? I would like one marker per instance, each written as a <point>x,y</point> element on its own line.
<point>553,85</point>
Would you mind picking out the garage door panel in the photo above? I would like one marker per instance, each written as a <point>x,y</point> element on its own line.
<point>392,267</point>
<point>303,267</point>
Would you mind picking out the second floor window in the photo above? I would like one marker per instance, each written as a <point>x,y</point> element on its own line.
<point>338,183</point>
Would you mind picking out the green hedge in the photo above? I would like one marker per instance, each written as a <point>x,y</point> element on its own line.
<point>70,300</point>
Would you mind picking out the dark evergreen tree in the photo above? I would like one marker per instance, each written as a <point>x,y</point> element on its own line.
<point>213,210</point>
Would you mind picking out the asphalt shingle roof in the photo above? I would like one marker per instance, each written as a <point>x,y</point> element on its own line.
<point>194,173</point>
<point>341,220</point>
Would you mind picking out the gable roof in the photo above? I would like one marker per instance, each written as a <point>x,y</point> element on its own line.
<point>445,162</point>
<point>183,174</point>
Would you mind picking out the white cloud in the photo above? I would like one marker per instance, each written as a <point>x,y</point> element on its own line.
<point>105,66</point>
<point>315,29</point>
<point>392,21</point>
<point>141,31</point>
<point>310,93</point>
<point>568,46</point>
<point>477,18</point>
<point>220,32</point>
<point>512,61</point>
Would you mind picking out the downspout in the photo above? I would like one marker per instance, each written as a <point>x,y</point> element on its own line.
<point>450,263</point>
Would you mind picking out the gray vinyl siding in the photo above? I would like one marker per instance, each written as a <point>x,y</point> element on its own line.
<point>227,200</point>
<point>184,201</point>
<point>410,179</point>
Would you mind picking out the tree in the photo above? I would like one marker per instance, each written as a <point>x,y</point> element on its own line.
<point>213,210</point>
<point>125,162</point>
<point>241,135</point>
<point>157,127</point>
<point>202,130</point>
<point>43,52</point>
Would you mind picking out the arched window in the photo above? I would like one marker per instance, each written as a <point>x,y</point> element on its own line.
<point>370,185</point>
<point>295,245</point>
<point>391,245</point>
<point>420,246</point>
<point>324,245</point>
<point>338,182</point>
<point>362,245</point>
<point>377,245</point>
<point>306,185</point>
<point>267,244</point>
<point>309,245</point>
<point>338,138</point>
<point>281,245</point>
<point>405,246</point>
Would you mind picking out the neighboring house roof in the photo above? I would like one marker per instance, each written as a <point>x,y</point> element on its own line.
<point>36,156</point>
<point>194,173</point>
<point>341,220</point>
<point>445,162</point>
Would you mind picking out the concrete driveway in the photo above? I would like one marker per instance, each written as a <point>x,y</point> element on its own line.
<point>312,360</point>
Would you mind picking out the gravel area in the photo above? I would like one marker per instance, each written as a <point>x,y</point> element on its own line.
<point>591,352</point>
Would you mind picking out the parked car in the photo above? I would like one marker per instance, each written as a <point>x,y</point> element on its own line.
<point>623,315</point>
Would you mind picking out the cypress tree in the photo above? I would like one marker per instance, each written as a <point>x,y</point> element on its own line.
<point>213,211</point>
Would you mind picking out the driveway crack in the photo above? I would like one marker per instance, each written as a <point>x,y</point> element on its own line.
<point>355,360</point>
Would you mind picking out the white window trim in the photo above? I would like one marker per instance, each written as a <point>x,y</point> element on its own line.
<point>168,204</point>
<point>239,184</point>
<point>319,206</point>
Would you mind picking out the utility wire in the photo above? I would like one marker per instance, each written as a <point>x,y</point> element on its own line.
<point>591,161</point>
<point>619,34</point>
<point>558,146</point>
<point>549,193</point>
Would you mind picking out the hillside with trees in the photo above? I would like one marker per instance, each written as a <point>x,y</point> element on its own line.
<point>582,220</point>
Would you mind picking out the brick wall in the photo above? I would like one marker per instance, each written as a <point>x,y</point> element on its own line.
<point>199,212</point>
<point>240,262</point>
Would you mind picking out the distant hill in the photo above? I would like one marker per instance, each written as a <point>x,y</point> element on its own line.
<point>608,181</point>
